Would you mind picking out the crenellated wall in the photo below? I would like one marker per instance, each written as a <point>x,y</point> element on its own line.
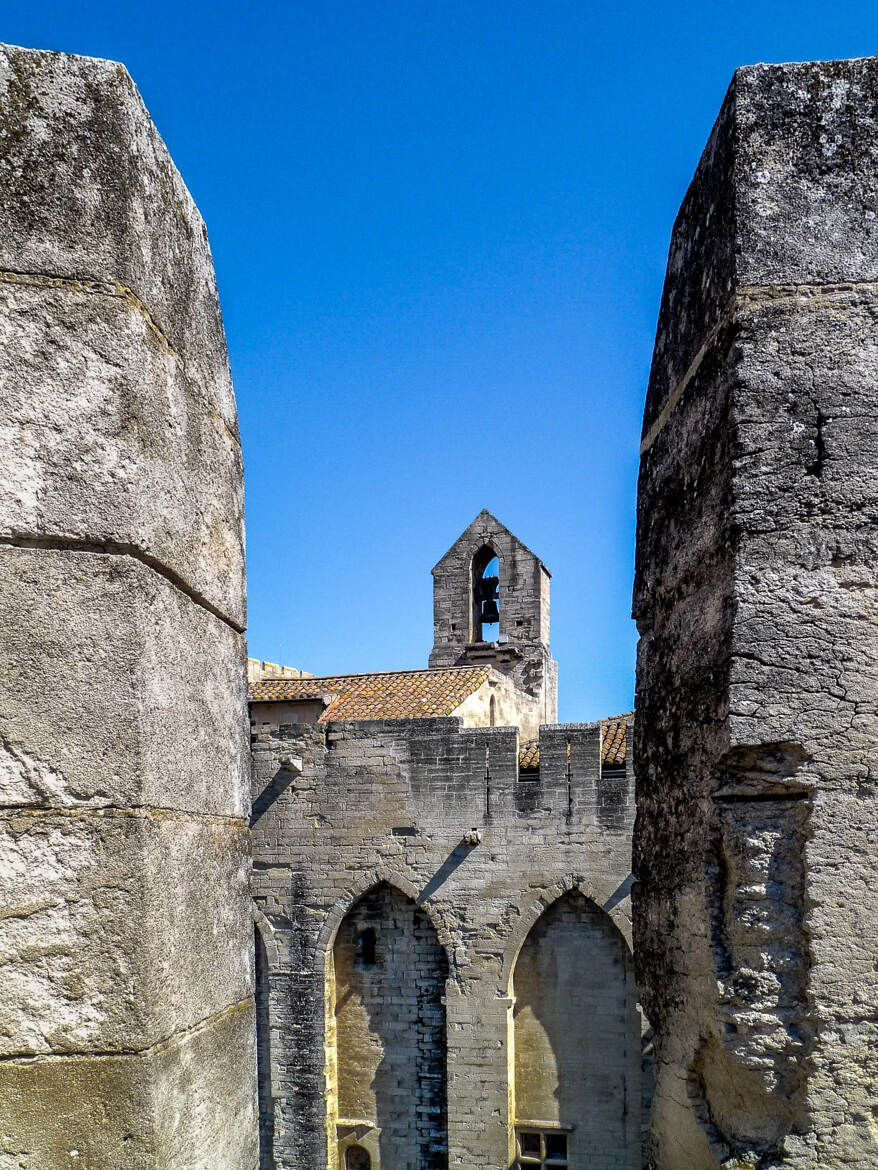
<point>440,814</point>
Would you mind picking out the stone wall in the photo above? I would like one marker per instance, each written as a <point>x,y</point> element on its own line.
<point>755,910</point>
<point>522,651</point>
<point>499,703</point>
<point>578,1035</point>
<point>439,814</point>
<point>387,1012</point>
<point>127,1013</point>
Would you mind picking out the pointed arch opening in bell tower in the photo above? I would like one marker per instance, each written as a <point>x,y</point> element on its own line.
<point>486,595</point>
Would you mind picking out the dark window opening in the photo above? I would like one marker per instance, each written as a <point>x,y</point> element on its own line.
<point>356,1158</point>
<point>541,1149</point>
<point>528,791</point>
<point>486,595</point>
<point>366,948</point>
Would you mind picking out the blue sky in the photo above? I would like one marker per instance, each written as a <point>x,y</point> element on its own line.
<point>440,233</point>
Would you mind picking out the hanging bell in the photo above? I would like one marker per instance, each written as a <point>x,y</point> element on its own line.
<point>487,588</point>
<point>490,612</point>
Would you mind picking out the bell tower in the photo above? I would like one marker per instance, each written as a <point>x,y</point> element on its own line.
<point>491,606</point>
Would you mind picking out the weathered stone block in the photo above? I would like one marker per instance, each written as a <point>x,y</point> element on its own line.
<point>185,1105</point>
<point>90,192</point>
<point>785,193</point>
<point>119,930</point>
<point>128,935</point>
<point>131,452</point>
<point>203,1094</point>
<point>755,598</point>
<point>120,690</point>
<point>92,1111</point>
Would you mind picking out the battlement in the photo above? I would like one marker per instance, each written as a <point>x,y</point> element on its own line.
<point>257,670</point>
<point>440,769</point>
<point>387,831</point>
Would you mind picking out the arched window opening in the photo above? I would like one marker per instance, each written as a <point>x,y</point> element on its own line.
<point>388,975</point>
<point>577,1042</point>
<point>486,595</point>
<point>356,1158</point>
<point>493,711</point>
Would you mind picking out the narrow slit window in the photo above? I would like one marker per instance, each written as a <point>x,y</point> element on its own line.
<point>366,948</point>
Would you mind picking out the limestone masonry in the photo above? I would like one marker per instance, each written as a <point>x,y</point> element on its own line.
<point>756,907</point>
<point>126,1028</point>
<point>394,929</point>
<point>443,946</point>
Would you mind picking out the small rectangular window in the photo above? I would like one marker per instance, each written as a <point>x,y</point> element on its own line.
<point>545,1149</point>
<point>365,956</point>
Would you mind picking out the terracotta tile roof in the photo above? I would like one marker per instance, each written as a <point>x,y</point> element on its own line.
<point>397,694</point>
<point>529,754</point>
<point>613,736</point>
<point>614,733</point>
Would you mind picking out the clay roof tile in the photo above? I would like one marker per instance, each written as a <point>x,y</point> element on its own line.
<point>614,734</point>
<point>396,694</point>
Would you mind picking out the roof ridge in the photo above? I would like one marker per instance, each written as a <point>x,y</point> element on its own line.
<point>369,674</point>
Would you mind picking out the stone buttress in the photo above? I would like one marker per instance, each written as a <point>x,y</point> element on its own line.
<point>126,1029</point>
<point>756,907</point>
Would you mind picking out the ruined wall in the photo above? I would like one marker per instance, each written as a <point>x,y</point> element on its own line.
<point>439,813</point>
<point>127,1007</point>
<point>755,596</point>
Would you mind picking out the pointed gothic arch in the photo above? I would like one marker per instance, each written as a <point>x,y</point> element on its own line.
<point>386,976</point>
<point>487,621</point>
<point>576,1040</point>
<point>365,880</point>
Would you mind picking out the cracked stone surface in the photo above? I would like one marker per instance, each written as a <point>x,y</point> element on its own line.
<point>137,456</point>
<point>126,1027</point>
<point>755,913</point>
<point>146,450</point>
<point>120,691</point>
<point>92,947</point>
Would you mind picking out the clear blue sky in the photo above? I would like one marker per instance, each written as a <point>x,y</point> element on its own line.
<point>440,233</point>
